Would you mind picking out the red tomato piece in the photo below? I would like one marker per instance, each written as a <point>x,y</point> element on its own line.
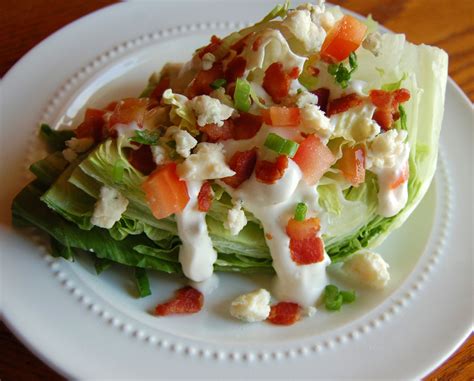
<point>344,103</point>
<point>201,84</point>
<point>268,172</point>
<point>142,159</point>
<point>215,133</point>
<point>402,178</point>
<point>344,38</point>
<point>323,98</point>
<point>160,88</point>
<point>165,192</point>
<point>205,197</point>
<point>246,126</point>
<point>243,164</point>
<point>281,116</point>
<point>307,251</point>
<point>276,81</point>
<point>129,110</point>
<point>92,126</point>
<point>313,158</point>
<point>235,69</point>
<point>187,300</point>
<point>300,230</point>
<point>211,47</point>
<point>284,313</point>
<point>352,164</point>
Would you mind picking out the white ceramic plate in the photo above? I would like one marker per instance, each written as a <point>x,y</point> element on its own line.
<point>86,326</point>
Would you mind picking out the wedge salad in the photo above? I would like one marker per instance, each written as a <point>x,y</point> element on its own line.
<point>294,144</point>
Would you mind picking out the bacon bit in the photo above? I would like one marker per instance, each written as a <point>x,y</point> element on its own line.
<point>142,159</point>
<point>230,89</point>
<point>160,88</point>
<point>129,110</point>
<point>201,83</point>
<point>323,98</point>
<point>92,126</point>
<point>240,45</point>
<point>268,172</point>
<point>343,104</point>
<point>302,229</point>
<point>243,164</point>
<point>387,106</point>
<point>215,133</point>
<point>269,236</point>
<point>235,69</point>
<point>307,251</point>
<point>294,73</point>
<point>256,44</point>
<point>246,126</point>
<point>276,81</point>
<point>211,47</point>
<point>186,301</point>
<point>314,71</point>
<point>111,106</point>
<point>284,313</point>
<point>402,178</point>
<point>205,197</point>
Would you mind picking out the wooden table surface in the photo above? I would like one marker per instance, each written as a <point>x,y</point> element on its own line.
<point>447,24</point>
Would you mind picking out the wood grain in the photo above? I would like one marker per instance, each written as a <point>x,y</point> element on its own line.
<point>447,24</point>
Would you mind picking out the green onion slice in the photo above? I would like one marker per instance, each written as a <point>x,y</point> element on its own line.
<point>220,82</point>
<point>280,145</point>
<point>300,211</point>
<point>242,99</point>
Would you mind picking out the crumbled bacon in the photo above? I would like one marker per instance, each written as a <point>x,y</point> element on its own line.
<point>205,197</point>
<point>160,88</point>
<point>246,126</point>
<point>344,103</point>
<point>243,164</point>
<point>93,125</point>
<point>214,133</point>
<point>256,44</point>
<point>240,45</point>
<point>277,82</point>
<point>200,85</point>
<point>142,159</point>
<point>302,229</point>
<point>186,301</point>
<point>387,105</point>
<point>235,69</point>
<point>284,313</point>
<point>323,98</point>
<point>129,110</point>
<point>270,172</point>
<point>305,247</point>
<point>211,47</point>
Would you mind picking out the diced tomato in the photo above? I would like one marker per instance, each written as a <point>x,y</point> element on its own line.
<point>284,313</point>
<point>344,38</point>
<point>313,158</point>
<point>129,110</point>
<point>387,105</point>
<point>246,126</point>
<point>187,300</point>
<point>160,88</point>
<point>268,172</point>
<point>92,126</point>
<point>211,47</point>
<point>243,164</point>
<point>277,82</point>
<point>215,133</point>
<point>282,116</point>
<point>142,159</point>
<point>402,178</point>
<point>344,103</point>
<point>307,251</point>
<point>352,164</point>
<point>299,230</point>
<point>165,192</point>
<point>205,197</point>
<point>201,84</point>
<point>235,69</point>
<point>323,98</point>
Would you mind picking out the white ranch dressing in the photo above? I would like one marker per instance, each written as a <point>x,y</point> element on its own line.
<point>274,205</point>
<point>196,254</point>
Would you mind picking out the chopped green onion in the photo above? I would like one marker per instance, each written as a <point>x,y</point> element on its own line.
<point>280,145</point>
<point>348,296</point>
<point>141,280</point>
<point>147,137</point>
<point>242,100</point>
<point>403,118</point>
<point>342,74</point>
<point>118,170</point>
<point>300,211</point>
<point>220,82</point>
<point>101,264</point>
<point>334,299</point>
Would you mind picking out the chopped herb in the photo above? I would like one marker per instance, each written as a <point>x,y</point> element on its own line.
<point>348,296</point>
<point>147,137</point>
<point>221,82</point>
<point>300,211</point>
<point>342,74</point>
<point>334,299</point>
<point>142,282</point>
